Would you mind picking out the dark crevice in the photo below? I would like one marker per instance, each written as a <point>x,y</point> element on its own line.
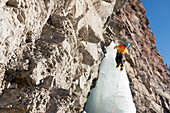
<point>49,21</point>
<point>103,47</point>
<point>107,21</point>
<point>133,7</point>
<point>29,37</point>
<point>20,77</point>
<point>93,83</point>
<point>166,110</point>
<point>12,3</point>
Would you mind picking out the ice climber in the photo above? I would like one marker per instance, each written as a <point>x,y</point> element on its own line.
<point>121,49</point>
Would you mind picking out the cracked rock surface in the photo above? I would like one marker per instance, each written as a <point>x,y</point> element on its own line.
<point>50,52</point>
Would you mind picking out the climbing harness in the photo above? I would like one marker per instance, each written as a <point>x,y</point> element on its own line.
<point>116,92</point>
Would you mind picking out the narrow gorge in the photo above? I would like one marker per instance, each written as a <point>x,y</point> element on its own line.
<point>51,50</point>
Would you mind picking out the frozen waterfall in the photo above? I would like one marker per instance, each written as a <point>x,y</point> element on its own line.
<point>112,92</point>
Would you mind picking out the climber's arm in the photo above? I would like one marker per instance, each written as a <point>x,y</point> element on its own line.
<point>117,47</point>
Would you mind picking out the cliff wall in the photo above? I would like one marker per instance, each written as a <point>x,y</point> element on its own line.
<point>51,51</point>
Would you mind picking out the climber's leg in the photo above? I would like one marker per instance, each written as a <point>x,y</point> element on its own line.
<point>121,67</point>
<point>117,60</point>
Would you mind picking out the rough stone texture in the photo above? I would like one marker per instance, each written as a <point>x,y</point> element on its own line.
<point>149,77</point>
<point>51,51</point>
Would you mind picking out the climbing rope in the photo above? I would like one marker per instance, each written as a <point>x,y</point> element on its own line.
<point>116,92</point>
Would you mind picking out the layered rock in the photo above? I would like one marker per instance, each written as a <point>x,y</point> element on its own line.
<point>51,51</point>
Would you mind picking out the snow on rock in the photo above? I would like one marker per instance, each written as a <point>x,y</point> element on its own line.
<point>112,92</point>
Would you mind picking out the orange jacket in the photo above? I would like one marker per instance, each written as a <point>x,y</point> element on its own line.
<point>121,48</point>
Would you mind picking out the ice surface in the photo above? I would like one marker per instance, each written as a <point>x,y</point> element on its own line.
<point>112,92</point>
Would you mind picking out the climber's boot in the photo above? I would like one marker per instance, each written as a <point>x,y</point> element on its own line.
<point>121,69</point>
<point>117,65</point>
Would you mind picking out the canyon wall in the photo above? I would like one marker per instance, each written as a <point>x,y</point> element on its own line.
<point>148,75</point>
<point>50,52</point>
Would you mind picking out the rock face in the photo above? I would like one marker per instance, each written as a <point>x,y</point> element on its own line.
<point>51,50</point>
<point>148,75</point>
